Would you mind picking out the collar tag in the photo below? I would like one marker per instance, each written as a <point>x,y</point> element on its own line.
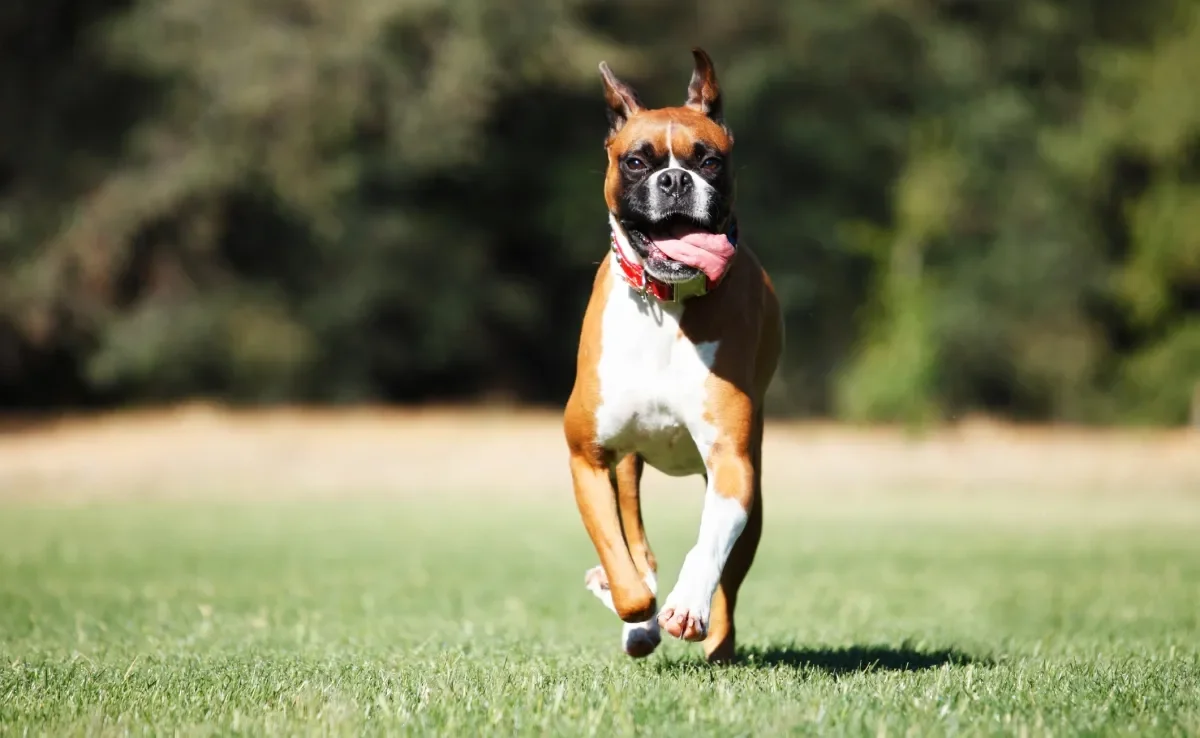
<point>697,286</point>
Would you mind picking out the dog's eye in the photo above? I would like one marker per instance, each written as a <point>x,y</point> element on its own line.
<point>711,163</point>
<point>635,164</point>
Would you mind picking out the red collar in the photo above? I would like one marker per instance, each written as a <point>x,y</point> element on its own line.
<point>638,278</point>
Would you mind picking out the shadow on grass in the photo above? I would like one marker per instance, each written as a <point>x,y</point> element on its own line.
<point>845,660</point>
<point>853,658</point>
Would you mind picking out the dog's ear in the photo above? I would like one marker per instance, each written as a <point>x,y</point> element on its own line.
<point>623,102</point>
<point>704,94</point>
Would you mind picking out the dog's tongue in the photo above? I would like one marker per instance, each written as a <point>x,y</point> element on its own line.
<point>711,253</point>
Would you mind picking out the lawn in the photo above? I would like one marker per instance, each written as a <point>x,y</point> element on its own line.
<point>466,615</point>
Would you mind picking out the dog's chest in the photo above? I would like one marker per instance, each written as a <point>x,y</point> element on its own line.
<point>653,385</point>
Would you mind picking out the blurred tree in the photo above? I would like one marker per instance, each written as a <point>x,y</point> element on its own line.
<point>1133,153</point>
<point>965,206</point>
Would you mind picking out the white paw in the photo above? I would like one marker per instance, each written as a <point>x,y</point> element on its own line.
<point>685,613</point>
<point>637,639</point>
<point>640,639</point>
<point>597,583</point>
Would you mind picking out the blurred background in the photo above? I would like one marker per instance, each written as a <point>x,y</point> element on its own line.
<point>265,260</point>
<point>968,206</point>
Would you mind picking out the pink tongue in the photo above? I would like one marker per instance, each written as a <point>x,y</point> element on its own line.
<point>708,252</point>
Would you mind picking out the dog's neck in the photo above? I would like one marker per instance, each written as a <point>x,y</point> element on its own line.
<point>633,269</point>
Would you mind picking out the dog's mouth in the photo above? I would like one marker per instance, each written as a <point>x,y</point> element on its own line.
<point>648,238</point>
<point>675,226</point>
<point>679,248</point>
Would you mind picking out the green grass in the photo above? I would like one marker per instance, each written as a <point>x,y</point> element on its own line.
<point>468,617</point>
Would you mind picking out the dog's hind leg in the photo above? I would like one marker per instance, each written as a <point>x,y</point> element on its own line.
<point>638,639</point>
<point>627,477</point>
<point>618,582</point>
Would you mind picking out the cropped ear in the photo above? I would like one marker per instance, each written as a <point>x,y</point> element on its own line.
<point>623,102</point>
<point>704,94</point>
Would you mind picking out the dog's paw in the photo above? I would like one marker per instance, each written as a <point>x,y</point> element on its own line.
<point>684,620</point>
<point>637,639</point>
<point>596,581</point>
<point>640,639</point>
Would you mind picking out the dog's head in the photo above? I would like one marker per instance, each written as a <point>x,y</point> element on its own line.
<point>670,172</point>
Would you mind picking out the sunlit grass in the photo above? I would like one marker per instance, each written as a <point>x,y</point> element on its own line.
<point>459,617</point>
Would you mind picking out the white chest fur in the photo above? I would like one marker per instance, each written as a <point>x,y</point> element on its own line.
<point>653,384</point>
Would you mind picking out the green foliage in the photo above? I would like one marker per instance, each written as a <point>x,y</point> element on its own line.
<point>964,206</point>
<point>895,377</point>
<point>1161,382</point>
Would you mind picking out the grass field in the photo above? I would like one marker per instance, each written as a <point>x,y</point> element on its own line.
<point>1039,606</point>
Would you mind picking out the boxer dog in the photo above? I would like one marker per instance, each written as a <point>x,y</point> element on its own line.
<point>680,338</point>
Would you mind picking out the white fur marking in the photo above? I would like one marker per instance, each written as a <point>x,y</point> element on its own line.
<point>701,189</point>
<point>653,384</point>
<point>721,522</point>
<point>704,192</point>
<point>653,394</point>
<point>651,580</point>
<point>672,162</point>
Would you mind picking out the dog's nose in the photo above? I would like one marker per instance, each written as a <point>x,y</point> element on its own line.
<point>674,182</point>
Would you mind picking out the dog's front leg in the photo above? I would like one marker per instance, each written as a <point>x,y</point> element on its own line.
<point>728,498</point>
<point>632,598</point>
